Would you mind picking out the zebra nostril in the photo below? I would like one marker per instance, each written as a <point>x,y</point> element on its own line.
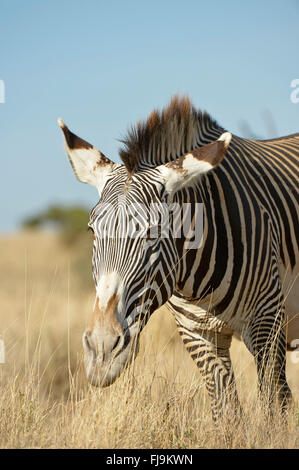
<point>86,341</point>
<point>117,342</point>
<point>104,347</point>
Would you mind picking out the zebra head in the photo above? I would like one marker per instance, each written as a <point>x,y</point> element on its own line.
<point>135,253</point>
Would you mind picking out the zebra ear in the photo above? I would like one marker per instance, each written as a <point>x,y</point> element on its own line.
<point>187,169</point>
<point>89,164</point>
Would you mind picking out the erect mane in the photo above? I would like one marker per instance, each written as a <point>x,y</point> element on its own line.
<point>166,135</point>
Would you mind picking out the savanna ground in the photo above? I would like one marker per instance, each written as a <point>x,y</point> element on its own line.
<point>159,402</point>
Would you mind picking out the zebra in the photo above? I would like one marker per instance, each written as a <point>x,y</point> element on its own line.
<point>241,280</point>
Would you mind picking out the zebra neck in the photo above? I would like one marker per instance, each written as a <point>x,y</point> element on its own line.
<point>147,148</point>
<point>169,151</point>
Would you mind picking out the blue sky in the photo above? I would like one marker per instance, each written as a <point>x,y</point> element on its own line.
<point>103,65</point>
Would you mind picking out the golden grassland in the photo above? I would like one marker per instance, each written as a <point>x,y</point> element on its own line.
<point>158,402</point>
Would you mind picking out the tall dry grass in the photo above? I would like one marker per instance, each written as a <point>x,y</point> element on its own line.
<point>158,402</point>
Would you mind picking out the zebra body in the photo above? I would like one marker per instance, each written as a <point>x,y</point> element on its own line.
<point>250,272</point>
<point>241,280</point>
<point>242,208</point>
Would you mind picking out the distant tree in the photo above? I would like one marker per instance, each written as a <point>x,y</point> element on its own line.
<point>269,124</point>
<point>247,132</point>
<point>71,222</point>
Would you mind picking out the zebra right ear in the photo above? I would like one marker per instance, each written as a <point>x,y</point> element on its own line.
<point>187,169</point>
<point>89,164</point>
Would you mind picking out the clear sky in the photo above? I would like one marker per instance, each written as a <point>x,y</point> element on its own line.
<point>102,65</point>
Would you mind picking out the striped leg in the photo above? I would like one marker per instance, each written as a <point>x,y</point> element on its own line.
<point>265,339</point>
<point>210,351</point>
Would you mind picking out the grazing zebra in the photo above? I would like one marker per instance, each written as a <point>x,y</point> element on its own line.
<point>241,279</point>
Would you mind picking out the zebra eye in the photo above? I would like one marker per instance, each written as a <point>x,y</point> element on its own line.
<point>151,233</point>
<point>147,235</point>
<point>90,229</point>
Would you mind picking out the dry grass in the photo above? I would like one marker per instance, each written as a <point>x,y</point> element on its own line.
<point>159,402</point>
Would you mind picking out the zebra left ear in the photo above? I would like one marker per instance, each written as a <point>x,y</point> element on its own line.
<point>187,169</point>
<point>89,164</point>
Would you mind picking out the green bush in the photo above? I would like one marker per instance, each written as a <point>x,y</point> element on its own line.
<point>71,222</point>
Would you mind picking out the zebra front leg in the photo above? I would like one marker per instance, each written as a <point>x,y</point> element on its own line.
<point>210,351</point>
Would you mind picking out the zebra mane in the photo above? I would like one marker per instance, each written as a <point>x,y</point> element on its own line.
<point>166,135</point>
